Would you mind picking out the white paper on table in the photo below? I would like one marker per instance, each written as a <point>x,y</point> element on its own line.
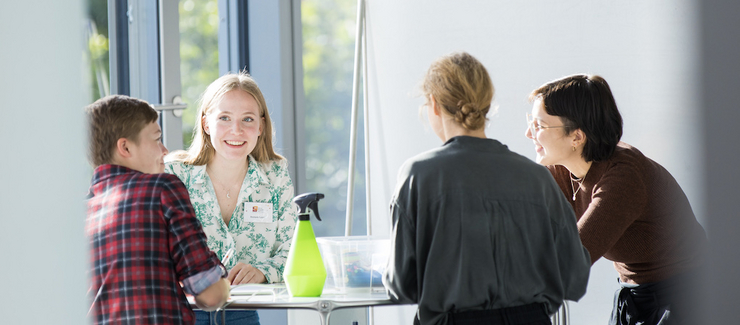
<point>256,289</point>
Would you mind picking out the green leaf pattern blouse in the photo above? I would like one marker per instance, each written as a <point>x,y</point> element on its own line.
<point>264,245</point>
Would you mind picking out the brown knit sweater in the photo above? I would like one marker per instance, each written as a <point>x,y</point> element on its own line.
<point>633,212</point>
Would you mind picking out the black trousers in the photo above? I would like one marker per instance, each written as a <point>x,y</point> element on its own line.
<point>666,302</point>
<point>532,314</point>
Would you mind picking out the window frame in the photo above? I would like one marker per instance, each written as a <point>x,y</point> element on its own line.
<point>145,63</point>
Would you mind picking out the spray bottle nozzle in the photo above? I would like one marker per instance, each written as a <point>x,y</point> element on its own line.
<point>308,200</point>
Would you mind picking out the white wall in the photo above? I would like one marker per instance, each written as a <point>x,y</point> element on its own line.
<point>645,50</point>
<point>43,252</point>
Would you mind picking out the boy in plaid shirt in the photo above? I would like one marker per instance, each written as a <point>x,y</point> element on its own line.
<point>147,248</point>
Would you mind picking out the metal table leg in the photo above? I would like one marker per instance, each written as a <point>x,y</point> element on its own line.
<point>561,317</point>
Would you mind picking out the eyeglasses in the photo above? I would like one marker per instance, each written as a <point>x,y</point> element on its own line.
<point>534,128</point>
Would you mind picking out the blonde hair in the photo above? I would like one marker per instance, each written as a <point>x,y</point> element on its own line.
<point>201,151</point>
<point>460,84</point>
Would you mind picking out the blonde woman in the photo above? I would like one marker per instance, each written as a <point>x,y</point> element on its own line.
<point>481,235</point>
<point>239,187</point>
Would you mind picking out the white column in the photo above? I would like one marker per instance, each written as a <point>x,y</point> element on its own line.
<point>720,48</point>
<point>44,173</point>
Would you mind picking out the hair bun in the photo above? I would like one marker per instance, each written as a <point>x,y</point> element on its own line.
<point>469,115</point>
<point>466,108</point>
<point>460,84</point>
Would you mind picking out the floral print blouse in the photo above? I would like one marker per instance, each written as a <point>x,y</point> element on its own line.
<point>262,243</point>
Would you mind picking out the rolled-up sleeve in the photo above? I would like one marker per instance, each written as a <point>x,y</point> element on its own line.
<point>195,284</point>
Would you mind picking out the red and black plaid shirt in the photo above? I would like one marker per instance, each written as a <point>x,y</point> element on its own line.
<point>144,240</point>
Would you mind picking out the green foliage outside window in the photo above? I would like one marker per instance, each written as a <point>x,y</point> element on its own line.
<point>328,62</point>
<point>198,56</point>
<point>97,46</point>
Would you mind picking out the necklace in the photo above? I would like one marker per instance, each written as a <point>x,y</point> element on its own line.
<point>240,180</point>
<point>228,190</point>
<point>573,181</point>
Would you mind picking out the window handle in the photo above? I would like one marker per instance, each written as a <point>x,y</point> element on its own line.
<point>176,106</point>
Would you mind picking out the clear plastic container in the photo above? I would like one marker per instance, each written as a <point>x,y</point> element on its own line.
<point>354,264</point>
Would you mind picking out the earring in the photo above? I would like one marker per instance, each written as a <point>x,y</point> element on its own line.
<point>574,148</point>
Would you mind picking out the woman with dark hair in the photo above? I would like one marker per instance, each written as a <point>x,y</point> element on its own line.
<point>630,209</point>
<point>481,235</point>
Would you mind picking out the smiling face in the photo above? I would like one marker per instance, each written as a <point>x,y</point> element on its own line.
<point>552,145</point>
<point>147,156</point>
<point>234,125</point>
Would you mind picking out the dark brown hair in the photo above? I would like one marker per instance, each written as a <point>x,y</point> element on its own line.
<point>584,102</point>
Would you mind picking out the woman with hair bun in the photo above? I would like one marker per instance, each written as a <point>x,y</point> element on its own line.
<point>480,235</point>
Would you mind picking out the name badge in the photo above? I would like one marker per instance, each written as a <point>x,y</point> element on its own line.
<point>257,212</point>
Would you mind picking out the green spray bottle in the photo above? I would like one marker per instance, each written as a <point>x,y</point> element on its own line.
<point>305,273</point>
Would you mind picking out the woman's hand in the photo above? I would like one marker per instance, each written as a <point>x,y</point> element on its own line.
<point>243,273</point>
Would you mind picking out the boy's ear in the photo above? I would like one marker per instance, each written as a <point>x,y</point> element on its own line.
<point>122,148</point>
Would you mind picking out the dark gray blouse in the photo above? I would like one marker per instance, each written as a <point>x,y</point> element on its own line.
<point>476,226</point>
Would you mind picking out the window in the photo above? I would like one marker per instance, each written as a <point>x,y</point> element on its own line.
<point>97,45</point>
<point>213,39</point>
<point>198,56</point>
<point>328,53</point>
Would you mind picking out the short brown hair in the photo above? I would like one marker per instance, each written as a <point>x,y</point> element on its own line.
<point>461,85</point>
<point>111,118</point>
